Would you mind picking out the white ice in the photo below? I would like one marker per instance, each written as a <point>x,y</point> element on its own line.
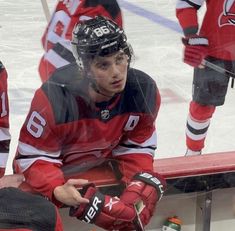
<point>158,51</point>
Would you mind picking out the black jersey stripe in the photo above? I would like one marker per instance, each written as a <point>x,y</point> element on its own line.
<point>110,6</point>
<point>196,6</point>
<point>63,52</point>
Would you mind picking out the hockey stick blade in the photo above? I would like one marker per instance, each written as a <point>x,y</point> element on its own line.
<point>218,68</point>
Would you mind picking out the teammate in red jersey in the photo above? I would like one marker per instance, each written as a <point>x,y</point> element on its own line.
<point>20,211</point>
<point>5,136</point>
<point>214,42</point>
<point>97,108</point>
<point>57,36</point>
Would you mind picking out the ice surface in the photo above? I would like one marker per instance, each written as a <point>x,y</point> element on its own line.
<point>154,33</point>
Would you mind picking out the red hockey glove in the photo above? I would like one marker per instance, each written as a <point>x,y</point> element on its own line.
<point>196,49</point>
<point>144,191</point>
<point>132,211</point>
<point>103,210</point>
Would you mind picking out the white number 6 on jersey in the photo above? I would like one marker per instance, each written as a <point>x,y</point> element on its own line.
<point>36,124</point>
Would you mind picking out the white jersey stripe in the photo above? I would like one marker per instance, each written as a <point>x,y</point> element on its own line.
<point>26,163</point>
<point>152,141</point>
<point>4,134</point>
<point>141,147</point>
<point>124,151</point>
<point>3,160</point>
<point>28,150</point>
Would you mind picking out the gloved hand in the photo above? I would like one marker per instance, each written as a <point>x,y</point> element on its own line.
<point>196,49</point>
<point>103,210</point>
<point>144,191</point>
<point>132,211</point>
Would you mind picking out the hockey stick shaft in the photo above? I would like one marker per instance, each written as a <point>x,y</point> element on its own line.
<point>218,68</point>
<point>46,10</point>
<point>137,221</point>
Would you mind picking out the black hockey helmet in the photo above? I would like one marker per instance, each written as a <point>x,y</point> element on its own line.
<point>98,36</point>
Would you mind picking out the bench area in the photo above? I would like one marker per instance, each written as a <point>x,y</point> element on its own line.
<point>203,173</point>
<point>197,174</point>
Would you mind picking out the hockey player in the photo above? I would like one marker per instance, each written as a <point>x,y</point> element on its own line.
<point>20,211</point>
<point>57,36</point>
<point>215,43</point>
<point>5,136</point>
<point>98,108</point>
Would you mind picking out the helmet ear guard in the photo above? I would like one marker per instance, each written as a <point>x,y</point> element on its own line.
<point>98,37</point>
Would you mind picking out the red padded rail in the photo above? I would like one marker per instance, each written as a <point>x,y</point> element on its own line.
<point>170,168</point>
<point>186,166</point>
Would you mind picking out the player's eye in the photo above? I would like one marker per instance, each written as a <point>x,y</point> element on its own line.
<point>120,58</point>
<point>102,65</point>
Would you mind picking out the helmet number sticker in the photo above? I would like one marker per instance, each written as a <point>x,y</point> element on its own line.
<point>100,31</point>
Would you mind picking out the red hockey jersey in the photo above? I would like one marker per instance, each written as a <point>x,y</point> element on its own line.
<point>65,130</point>
<point>4,120</point>
<point>218,24</point>
<point>59,30</point>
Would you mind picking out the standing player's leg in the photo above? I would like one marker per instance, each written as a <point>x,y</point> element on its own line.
<point>209,91</point>
<point>5,136</point>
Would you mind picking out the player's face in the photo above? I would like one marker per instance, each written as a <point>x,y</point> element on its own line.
<point>110,72</point>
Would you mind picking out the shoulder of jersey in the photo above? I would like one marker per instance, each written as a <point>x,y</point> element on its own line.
<point>59,91</point>
<point>139,79</point>
<point>65,74</point>
<point>141,88</point>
